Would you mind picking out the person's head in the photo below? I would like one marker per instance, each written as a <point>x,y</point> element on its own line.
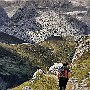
<point>65,64</point>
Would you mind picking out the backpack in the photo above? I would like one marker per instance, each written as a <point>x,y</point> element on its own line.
<point>62,72</point>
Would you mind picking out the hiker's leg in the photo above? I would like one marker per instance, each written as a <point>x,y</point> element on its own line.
<point>60,87</point>
<point>64,87</point>
<point>65,83</point>
<point>60,83</point>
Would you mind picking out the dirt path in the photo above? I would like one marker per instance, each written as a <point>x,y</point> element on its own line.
<point>69,86</point>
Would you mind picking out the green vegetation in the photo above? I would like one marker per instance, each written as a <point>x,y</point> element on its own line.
<point>46,53</point>
<point>14,69</point>
<point>38,55</point>
<point>82,67</point>
<point>63,48</point>
<point>42,82</point>
<point>19,62</point>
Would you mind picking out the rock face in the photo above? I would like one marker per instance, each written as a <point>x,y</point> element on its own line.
<point>74,85</point>
<point>84,45</point>
<point>26,88</point>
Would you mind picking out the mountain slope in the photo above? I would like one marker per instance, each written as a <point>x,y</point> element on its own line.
<point>3,16</point>
<point>20,60</point>
<point>86,18</point>
<point>83,45</point>
<point>14,69</point>
<point>12,6</point>
<point>81,68</point>
<point>42,82</point>
<point>63,48</point>
<point>39,19</point>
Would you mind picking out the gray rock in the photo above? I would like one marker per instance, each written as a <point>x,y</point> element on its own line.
<point>26,88</point>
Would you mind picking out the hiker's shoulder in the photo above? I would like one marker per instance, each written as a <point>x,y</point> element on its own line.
<point>68,69</point>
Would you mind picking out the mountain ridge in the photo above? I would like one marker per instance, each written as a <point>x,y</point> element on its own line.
<point>29,23</point>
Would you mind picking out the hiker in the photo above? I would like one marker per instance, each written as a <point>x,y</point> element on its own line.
<point>63,76</point>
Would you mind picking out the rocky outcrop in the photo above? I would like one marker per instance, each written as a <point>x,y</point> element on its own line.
<point>26,88</point>
<point>83,46</point>
<point>74,85</point>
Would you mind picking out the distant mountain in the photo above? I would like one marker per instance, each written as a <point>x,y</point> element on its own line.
<point>30,23</point>
<point>3,16</point>
<point>11,6</point>
<point>86,17</point>
<point>36,20</point>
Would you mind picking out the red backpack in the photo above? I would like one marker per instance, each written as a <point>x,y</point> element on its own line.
<point>63,73</point>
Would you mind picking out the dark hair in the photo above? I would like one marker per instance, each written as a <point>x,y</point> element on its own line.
<point>38,67</point>
<point>65,64</point>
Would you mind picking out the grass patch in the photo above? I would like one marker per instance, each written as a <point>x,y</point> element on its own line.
<point>82,68</point>
<point>42,82</point>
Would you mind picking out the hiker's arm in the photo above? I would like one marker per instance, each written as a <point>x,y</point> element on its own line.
<point>58,75</point>
<point>69,74</point>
